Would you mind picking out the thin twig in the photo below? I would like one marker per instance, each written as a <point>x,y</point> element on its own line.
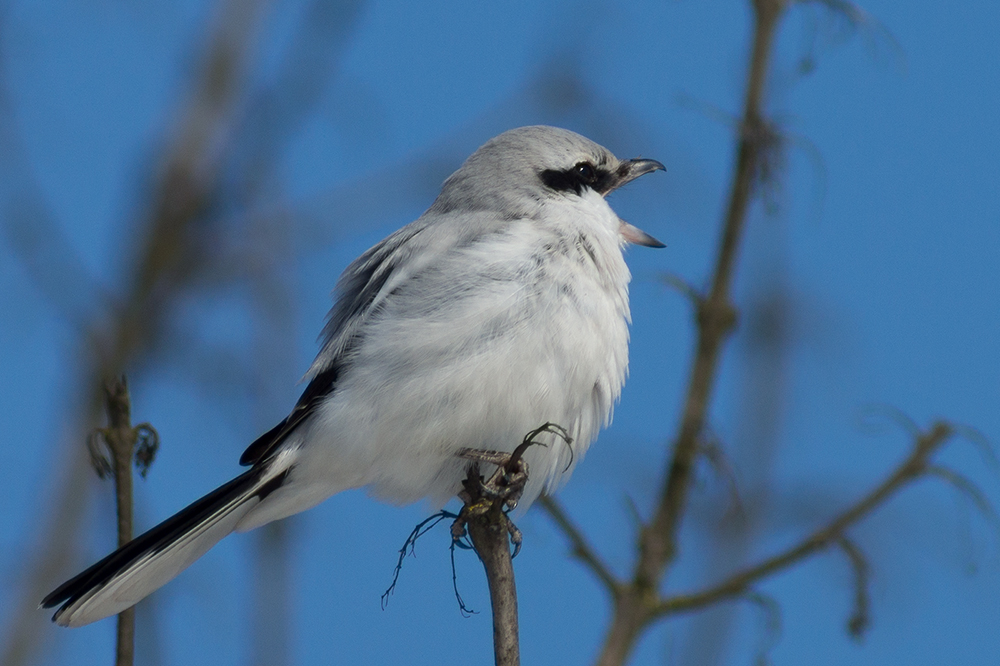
<point>582,550</point>
<point>857,624</point>
<point>966,487</point>
<point>409,547</point>
<point>770,612</point>
<point>122,440</point>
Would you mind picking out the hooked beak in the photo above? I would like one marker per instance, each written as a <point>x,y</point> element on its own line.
<point>626,172</point>
<point>629,170</point>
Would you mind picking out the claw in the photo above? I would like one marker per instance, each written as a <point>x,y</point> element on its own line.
<point>515,537</point>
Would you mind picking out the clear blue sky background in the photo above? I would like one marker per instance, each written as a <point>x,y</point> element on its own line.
<point>885,242</point>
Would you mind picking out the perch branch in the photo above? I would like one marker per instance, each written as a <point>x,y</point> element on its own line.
<point>488,527</point>
<point>484,517</point>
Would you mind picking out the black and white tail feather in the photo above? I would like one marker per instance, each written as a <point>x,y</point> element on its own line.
<point>152,559</point>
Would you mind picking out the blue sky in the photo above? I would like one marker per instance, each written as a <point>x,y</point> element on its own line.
<point>884,243</point>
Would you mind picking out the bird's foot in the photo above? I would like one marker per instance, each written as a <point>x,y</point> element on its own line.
<point>495,495</point>
<point>505,485</point>
<point>501,492</point>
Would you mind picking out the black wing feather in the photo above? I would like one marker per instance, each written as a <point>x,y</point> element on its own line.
<point>319,387</point>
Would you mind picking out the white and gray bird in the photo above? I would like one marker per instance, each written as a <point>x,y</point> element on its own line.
<point>503,307</point>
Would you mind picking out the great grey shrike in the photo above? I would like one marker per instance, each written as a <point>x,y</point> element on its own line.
<point>503,307</point>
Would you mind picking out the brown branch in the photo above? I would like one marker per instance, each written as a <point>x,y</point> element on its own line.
<point>485,503</point>
<point>913,467</point>
<point>122,441</point>
<point>858,622</point>
<point>488,527</point>
<point>489,535</point>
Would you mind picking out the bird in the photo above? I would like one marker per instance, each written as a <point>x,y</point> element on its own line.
<point>501,308</point>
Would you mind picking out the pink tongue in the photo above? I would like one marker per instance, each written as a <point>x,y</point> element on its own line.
<point>638,236</point>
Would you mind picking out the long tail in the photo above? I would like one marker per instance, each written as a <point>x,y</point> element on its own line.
<point>149,561</point>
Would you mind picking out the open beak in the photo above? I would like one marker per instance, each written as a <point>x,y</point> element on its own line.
<point>626,172</point>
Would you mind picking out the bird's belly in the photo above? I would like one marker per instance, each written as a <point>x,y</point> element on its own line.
<point>477,377</point>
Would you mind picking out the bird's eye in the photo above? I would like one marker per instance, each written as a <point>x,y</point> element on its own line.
<point>585,172</point>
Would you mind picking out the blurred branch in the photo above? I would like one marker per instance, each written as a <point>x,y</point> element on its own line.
<point>915,466</point>
<point>277,111</point>
<point>35,237</point>
<point>763,360</point>
<point>41,244</point>
<point>716,313</point>
<point>273,116</point>
<point>582,550</point>
<point>170,252</point>
<point>740,584</point>
<point>770,613</point>
<point>716,318</point>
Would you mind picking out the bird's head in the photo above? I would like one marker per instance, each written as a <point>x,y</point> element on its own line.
<point>529,165</point>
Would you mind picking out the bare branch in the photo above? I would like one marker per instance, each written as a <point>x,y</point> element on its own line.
<point>122,439</point>
<point>488,527</point>
<point>914,466</point>
<point>857,624</point>
<point>485,503</point>
<point>967,488</point>
<point>716,314</point>
<point>489,535</point>
<point>169,251</point>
